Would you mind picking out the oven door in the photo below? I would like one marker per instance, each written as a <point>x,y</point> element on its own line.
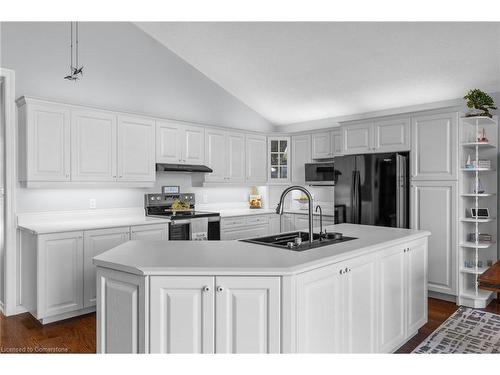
<point>320,174</point>
<point>179,230</point>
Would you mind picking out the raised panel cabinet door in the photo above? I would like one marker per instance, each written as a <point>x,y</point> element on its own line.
<point>121,312</point>
<point>391,314</point>
<point>434,147</point>
<point>360,309</point>
<point>236,157</point>
<point>182,314</point>
<point>169,142</point>
<point>301,221</point>
<point>60,276</point>
<point>336,141</point>
<point>136,149</point>
<point>301,154</point>
<point>48,144</point>
<point>256,159</point>
<point>433,206</point>
<point>247,314</point>
<point>156,232</point>
<point>93,146</point>
<point>319,311</point>
<point>357,138</point>
<point>193,150</point>
<point>392,135</point>
<point>96,242</point>
<point>417,286</point>
<point>321,147</point>
<point>216,155</point>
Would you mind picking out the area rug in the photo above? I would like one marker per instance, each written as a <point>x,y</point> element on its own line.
<point>466,331</point>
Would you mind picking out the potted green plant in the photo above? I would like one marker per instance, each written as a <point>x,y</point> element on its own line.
<point>479,101</point>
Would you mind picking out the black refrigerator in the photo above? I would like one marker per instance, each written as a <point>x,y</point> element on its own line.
<point>373,189</point>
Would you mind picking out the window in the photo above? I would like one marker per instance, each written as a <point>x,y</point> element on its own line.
<point>278,158</point>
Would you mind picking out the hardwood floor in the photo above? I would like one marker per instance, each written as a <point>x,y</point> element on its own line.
<point>23,333</point>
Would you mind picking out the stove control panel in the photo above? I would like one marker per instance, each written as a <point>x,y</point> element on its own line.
<point>168,199</point>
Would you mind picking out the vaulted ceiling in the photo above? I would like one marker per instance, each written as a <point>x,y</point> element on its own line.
<point>296,72</point>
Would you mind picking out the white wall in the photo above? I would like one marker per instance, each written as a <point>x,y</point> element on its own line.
<point>124,69</point>
<point>38,200</point>
<point>2,203</point>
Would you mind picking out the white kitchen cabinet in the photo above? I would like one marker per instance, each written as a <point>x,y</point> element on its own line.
<point>278,160</point>
<point>150,232</point>
<point>357,138</point>
<point>178,143</point>
<point>182,314</point>
<point>434,146</point>
<point>247,314</point>
<point>402,273</point>
<point>44,141</point>
<point>391,135</point>
<point>135,147</point>
<point>274,224</point>
<point>59,274</point>
<point>391,273</point>
<point>433,208</point>
<point>301,222</point>
<point>319,310</point>
<point>225,154</point>
<point>93,145</point>
<point>336,142</point>
<point>244,227</point>
<point>321,145</point>
<point>301,154</point>
<point>235,157</point>
<point>288,223</point>
<point>256,159</point>
<point>96,242</point>
<point>360,305</point>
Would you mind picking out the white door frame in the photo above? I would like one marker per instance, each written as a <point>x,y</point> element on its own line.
<point>10,300</point>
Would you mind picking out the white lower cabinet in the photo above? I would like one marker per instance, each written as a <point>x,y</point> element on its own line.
<point>156,232</point>
<point>231,314</point>
<point>182,314</point>
<point>96,242</point>
<point>60,274</point>
<point>236,228</point>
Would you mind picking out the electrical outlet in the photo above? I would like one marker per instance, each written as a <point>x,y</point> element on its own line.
<point>92,203</point>
<point>205,198</point>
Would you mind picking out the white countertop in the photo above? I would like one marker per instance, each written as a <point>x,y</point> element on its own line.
<point>243,258</point>
<point>67,221</point>
<point>261,211</point>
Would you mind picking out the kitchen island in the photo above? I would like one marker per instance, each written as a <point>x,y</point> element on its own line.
<point>360,296</point>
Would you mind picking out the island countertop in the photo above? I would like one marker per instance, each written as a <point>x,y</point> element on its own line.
<point>243,258</point>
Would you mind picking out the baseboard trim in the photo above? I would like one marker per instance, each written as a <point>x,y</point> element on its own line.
<point>442,296</point>
<point>1,308</point>
<point>71,314</point>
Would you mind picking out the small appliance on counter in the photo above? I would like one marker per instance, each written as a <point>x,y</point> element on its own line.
<point>186,223</point>
<point>255,199</point>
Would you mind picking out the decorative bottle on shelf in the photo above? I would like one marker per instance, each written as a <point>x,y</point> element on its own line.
<point>479,189</point>
<point>468,163</point>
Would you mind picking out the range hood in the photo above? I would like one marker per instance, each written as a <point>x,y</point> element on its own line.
<point>161,167</point>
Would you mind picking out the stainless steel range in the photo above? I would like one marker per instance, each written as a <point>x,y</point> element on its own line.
<point>187,223</point>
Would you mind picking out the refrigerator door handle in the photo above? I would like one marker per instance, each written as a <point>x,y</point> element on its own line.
<point>401,191</point>
<point>355,198</point>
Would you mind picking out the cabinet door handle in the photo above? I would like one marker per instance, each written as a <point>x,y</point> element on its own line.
<point>220,289</point>
<point>206,288</point>
<point>341,272</point>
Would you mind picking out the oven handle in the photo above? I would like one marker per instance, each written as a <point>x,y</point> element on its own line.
<point>180,222</point>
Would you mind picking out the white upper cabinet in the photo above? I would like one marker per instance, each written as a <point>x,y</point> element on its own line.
<point>434,146</point>
<point>392,134</point>
<point>168,142</point>
<point>321,145</point>
<point>225,154</point>
<point>301,154</point>
<point>136,154</point>
<point>256,158</point>
<point>336,142</point>
<point>247,314</point>
<point>93,146</point>
<point>278,159</point>
<point>193,145</point>
<point>235,157</point>
<point>357,138</point>
<point>44,134</point>
<point>215,155</point>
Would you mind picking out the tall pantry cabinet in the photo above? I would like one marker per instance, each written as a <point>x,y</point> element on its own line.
<point>433,196</point>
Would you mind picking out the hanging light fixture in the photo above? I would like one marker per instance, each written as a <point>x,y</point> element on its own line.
<point>75,71</point>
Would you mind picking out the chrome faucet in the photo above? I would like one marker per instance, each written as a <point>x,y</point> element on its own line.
<point>318,207</point>
<point>279,209</point>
